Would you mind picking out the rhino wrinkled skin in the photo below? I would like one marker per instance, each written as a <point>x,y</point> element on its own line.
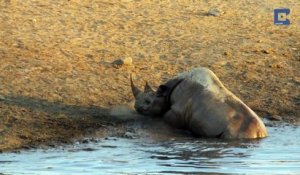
<point>197,101</point>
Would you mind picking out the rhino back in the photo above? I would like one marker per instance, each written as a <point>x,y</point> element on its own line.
<point>205,78</point>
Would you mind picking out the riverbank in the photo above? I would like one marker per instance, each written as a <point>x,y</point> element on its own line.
<point>57,83</point>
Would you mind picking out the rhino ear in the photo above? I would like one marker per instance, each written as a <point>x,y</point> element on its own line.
<point>162,91</point>
<point>167,88</point>
<point>148,88</point>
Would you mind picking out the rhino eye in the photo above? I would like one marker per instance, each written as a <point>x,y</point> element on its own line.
<point>147,101</point>
<point>159,95</point>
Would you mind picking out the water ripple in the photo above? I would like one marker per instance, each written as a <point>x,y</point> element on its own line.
<point>277,154</point>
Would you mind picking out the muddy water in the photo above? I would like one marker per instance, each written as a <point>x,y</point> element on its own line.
<point>277,154</point>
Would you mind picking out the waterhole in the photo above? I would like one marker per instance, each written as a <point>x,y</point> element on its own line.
<point>277,154</point>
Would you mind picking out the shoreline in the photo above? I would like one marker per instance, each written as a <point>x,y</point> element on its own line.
<point>58,83</point>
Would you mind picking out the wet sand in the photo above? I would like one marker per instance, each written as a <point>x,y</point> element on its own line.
<point>57,82</point>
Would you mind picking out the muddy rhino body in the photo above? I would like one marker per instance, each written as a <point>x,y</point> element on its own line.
<point>196,100</point>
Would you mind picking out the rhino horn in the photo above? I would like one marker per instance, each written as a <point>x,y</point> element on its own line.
<point>136,91</point>
<point>148,88</point>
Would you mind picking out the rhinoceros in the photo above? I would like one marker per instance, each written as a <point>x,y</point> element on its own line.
<point>197,101</point>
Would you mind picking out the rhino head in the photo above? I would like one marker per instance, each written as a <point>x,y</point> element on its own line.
<point>148,102</point>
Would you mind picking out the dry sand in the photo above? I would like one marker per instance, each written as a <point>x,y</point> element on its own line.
<point>57,82</point>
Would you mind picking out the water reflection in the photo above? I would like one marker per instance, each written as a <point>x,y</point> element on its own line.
<point>204,148</point>
<point>202,154</point>
<point>277,154</point>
